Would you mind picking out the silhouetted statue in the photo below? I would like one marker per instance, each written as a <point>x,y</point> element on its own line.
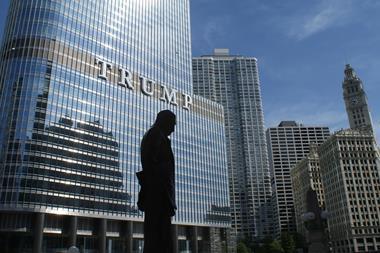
<point>157,195</point>
<point>315,223</point>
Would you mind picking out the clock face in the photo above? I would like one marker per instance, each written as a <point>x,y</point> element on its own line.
<point>354,101</point>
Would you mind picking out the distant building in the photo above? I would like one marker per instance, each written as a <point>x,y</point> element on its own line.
<point>287,145</point>
<point>233,81</point>
<point>350,171</point>
<point>305,175</point>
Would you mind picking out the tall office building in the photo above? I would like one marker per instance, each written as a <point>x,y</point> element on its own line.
<point>305,175</point>
<point>287,145</point>
<point>233,81</point>
<point>81,81</point>
<point>350,171</point>
<point>356,101</point>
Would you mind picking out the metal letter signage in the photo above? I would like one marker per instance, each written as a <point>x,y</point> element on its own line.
<point>188,101</point>
<point>125,78</point>
<point>147,86</point>
<point>168,97</point>
<point>103,68</point>
<point>144,86</point>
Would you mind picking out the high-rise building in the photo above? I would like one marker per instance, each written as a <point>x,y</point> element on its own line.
<point>304,176</point>
<point>287,145</point>
<point>356,101</point>
<point>81,81</point>
<point>347,164</point>
<point>350,171</point>
<point>233,81</point>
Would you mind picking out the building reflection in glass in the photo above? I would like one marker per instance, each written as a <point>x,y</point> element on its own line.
<point>83,165</point>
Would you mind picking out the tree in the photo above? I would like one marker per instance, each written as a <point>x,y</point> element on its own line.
<point>287,243</point>
<point>257,248</point>
<point>275,247</point>
<point>248,242</point>
<point>242,248</point>
<point>266,245</point>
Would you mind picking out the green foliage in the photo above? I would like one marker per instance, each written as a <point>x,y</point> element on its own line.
<point>257,248</point>
<point>287,243</point>
<point>275,247</point>
<point>242,248</point>
<point>267,245</point>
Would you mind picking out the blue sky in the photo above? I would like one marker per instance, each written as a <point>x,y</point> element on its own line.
<point>302,47</point>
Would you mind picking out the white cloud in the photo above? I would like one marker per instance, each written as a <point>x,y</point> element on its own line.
<point>210,29</point>
<point>327,14</point>
<point>213,29</point>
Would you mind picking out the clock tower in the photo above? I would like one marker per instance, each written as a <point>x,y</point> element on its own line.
<point>356,101</point>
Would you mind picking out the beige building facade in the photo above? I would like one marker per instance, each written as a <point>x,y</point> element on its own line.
<point>350,172</point>
<point>305,175</point>
<point>356,101</point>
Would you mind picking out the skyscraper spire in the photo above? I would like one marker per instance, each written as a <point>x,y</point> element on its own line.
<point>356,101</point>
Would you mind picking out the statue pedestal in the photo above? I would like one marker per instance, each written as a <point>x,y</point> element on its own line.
<point>317,242</point>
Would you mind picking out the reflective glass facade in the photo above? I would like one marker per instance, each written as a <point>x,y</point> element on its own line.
<point>81,81</point>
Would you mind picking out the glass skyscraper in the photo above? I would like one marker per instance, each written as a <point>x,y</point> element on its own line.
<point>81,81</point>
<point>234,82</point>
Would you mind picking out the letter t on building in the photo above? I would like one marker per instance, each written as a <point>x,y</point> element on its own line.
<point>103,68</point>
